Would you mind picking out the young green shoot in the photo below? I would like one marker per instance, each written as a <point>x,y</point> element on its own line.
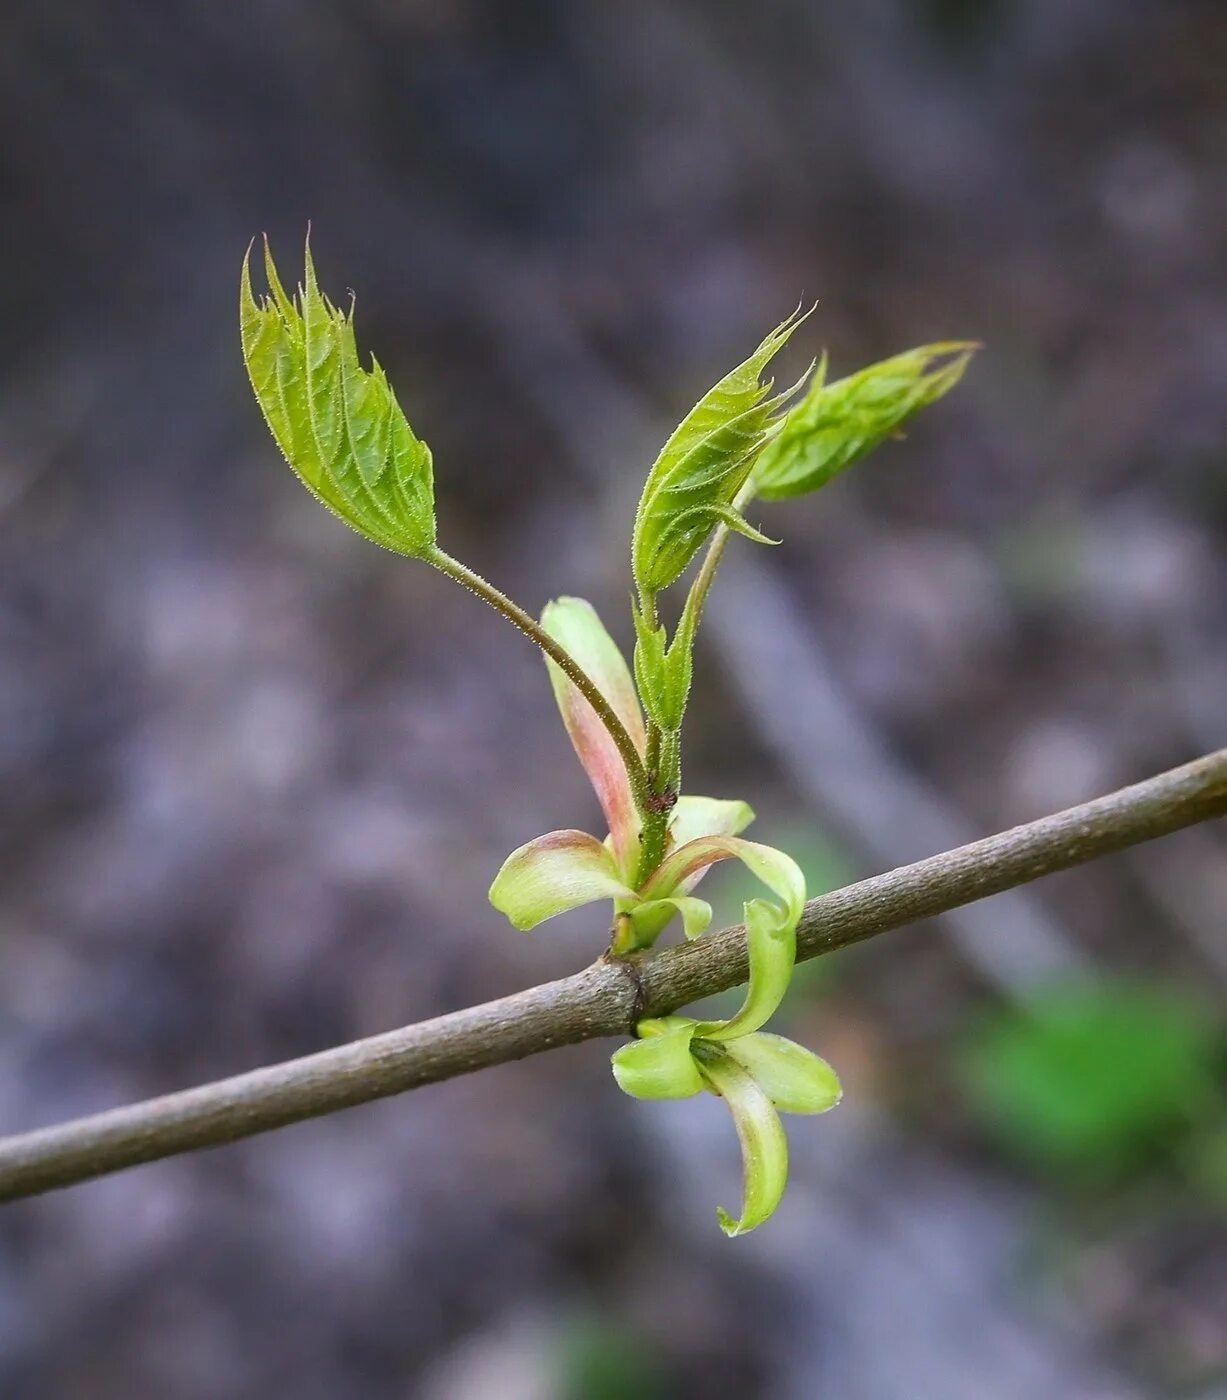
<point>340,427</point>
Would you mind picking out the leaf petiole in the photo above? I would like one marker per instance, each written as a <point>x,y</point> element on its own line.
<point>697,597</point>
<point>566,663</point>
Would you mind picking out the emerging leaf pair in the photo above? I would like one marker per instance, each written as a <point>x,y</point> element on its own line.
<point>343,432</point>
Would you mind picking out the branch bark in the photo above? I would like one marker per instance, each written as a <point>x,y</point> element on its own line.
<point>605,999</point>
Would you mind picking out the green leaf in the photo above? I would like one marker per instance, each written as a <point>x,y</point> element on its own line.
<point>554,873</point>
<point>837,424</point>
<point>793,1078</point>
<point>659,1065</point>
<point>574,624</point>
<point>704,464</point>
<point>338,425</point>
<point>764,1147</point>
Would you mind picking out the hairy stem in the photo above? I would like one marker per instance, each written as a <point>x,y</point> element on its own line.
<point>566,663</point>
<point>664,751</point>
<point>701,586</point>
<point>609,998</point>
<point>653,835</point>
<point>652,758</point>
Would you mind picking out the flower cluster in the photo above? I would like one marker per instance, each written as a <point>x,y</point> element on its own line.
<point>676,1057</point>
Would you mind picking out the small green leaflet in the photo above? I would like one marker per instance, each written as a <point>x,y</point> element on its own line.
<point>706,461</point>
<point>339,426</point>
<point>836,424</point>
<point>663,669</point>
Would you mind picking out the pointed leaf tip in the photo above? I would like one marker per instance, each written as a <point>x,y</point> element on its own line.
<point>703,465</point>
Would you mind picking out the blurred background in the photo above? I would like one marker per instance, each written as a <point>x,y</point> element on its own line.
<point>257,774</point>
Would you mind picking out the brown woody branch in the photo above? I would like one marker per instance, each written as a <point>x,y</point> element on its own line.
<point>605,999</point>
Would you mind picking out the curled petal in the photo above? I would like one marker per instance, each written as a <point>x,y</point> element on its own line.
<point>764,1147</point>
<point>574,624</point>
<point>659,1065</point>
<point>771,929</point>
<point>771,942</point>
<point>693,817</point>
<point>793,1078</point>
<point>554,873</point>
<point>776,870</point>
<point>651,918</point>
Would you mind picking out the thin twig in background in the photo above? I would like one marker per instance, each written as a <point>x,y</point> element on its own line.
<point>605,999</point>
